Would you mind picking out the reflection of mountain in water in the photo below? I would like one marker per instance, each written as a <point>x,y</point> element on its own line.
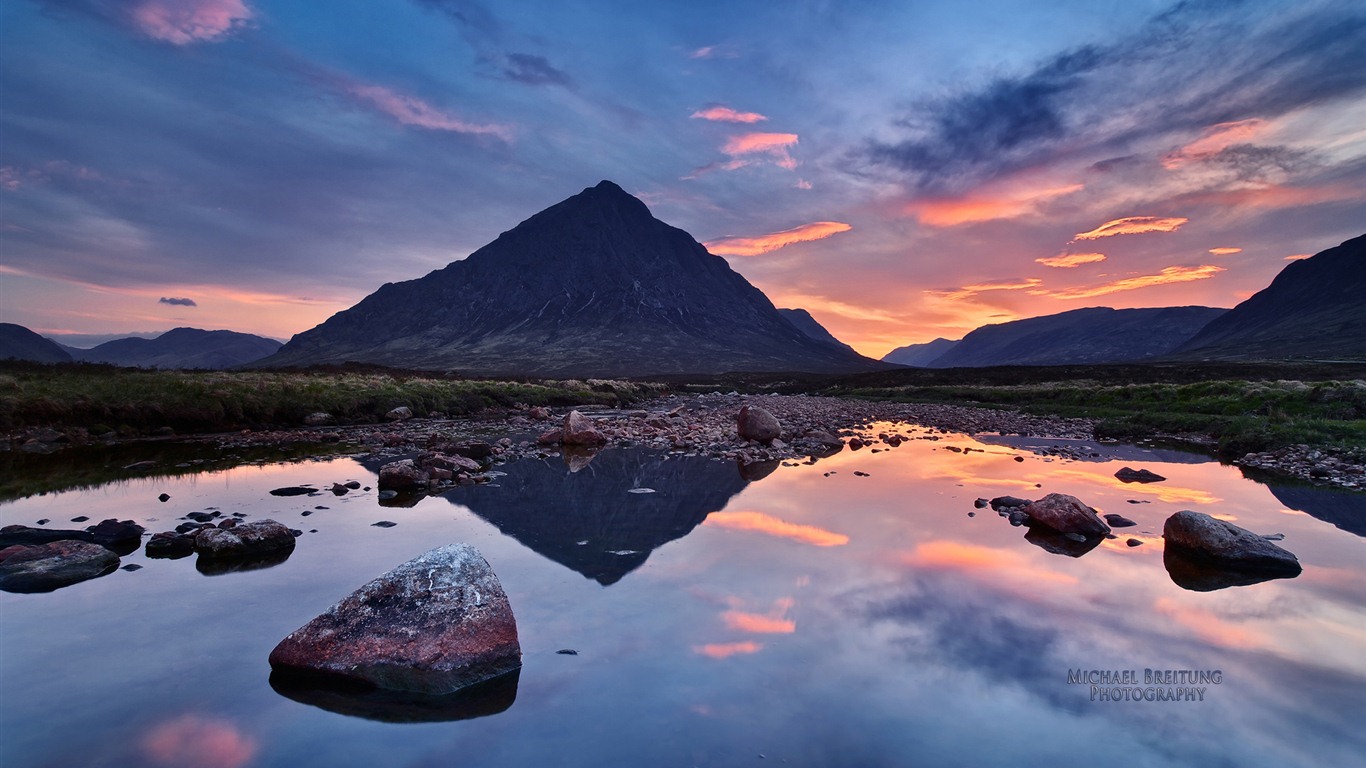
<point>1345,509</point>
<point>588,521</point>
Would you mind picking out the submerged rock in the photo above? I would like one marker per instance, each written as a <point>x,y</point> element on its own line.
<point>1066,514</point>
<point>433,625</point>
<point>757,424</point>
<point>1119,521</point>
<point>1129,475</point>
<point>51,566</point>
<point>1201,537</point>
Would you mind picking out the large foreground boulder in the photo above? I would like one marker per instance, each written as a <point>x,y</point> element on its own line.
<point>46,567</point>
<point>757,424</point>
<point>1065,514</point>
<point>1201,537</point>
<point>433,625</point>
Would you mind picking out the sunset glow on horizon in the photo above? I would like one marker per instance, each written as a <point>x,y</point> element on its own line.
<point>904,172</point>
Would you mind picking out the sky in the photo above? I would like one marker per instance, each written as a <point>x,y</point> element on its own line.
<point>902,170</point>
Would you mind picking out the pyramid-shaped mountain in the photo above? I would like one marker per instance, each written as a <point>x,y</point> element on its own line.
<point>1315,307</point>
<point>591,286</point>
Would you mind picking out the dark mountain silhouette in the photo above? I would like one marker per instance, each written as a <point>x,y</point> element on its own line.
<point>591,286</point>
<point>1081,336</point>
<point>19,343</point>
<point>807,324</point>
<point>1315,307</point>
<point>919,355</point>
<point>182,348</point>
<point>1342,508</point>
<point>587,521</point>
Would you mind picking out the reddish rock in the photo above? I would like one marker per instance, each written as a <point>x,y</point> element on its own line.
<point>579,430</point>
<point>245,540</point>
<point>539,412</point>
<point>1066,514</point>
<point>1209,539</point>
<point>550,438</point>
<point>452,463</point>
<point>58,564</point>
<point>401,475</point>
<point>757,424</point>
<point>435,624</point>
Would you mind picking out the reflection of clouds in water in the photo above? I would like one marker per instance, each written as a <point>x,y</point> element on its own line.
<point>775,622</point>
<point>195,741</point>
<point>773,526</point>
<point>982,562</point>
<point>726,650</point>
<point>1163,491</point>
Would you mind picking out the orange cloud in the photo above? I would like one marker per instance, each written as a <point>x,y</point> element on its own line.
<point>1133,225</point>
<point>772,623</point>
<point>1167,275</point>
<point>1298,256</point>
<point>982,561</point>
<point>410,110</point>
<point>1069,260</point>
<point>775,145</point>
<point>727,115</point>
<point>762,523</point>
<point>726,650</point>
<point>1273,196</point>
<point>198,741</point>
<point>1225,251</point>
<point>754,246</point>
<point>1215,139</point>
<point>181,22</point>
<point>950,212</point>
<point>968,291</point>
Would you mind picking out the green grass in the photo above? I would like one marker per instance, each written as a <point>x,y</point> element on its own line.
<point>130,401</point>
<point>1240,416</point>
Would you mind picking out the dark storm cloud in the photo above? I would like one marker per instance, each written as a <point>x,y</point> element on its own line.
<point>178,302</point>
<point>1196,65</point>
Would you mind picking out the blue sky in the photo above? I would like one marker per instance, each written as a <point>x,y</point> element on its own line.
<point>902,170</point>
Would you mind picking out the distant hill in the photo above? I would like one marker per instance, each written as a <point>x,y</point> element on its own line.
<point>182,348</point>
<point>1078,337</point>
<point>19,343</point>
<point>591,286</point>
<point>808,325</point>
<point>1316,307</point>
<point>919,355</point>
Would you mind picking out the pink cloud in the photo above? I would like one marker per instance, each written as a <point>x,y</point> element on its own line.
<point>986,206</point>
<point>410,110</point>
<point>774,145</point>
<point>1225,251</point>
<point>726,650</point>
<point>754,246</point>
<point>1214,140</point>
<point>1298,256</point>
<point>1133,225</point>
<point>969,291</point>
<point>181,22</point>
<point>727,115</point>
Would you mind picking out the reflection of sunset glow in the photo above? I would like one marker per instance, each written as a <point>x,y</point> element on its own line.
<point>1133,225</point>
<point>762,523</point>
<point>1163,491</point>
<point>192,740</point>
<point>973,559</point>
<point>772,623</point>
<point>754,246</point>
<point>1167,275</point>
<point>1069,260</point>
<point>1207,626</point>
<point>726,650</point>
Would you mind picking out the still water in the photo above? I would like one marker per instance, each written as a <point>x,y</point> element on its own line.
<point>808,617</point>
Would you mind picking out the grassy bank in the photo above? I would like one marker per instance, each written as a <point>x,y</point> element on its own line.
<point>1237,416</point>
<point>102,398</point>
